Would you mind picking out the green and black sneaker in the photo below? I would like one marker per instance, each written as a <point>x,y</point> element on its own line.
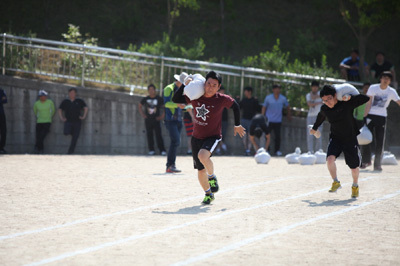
<point>208,198</point>
<point>213,184</point>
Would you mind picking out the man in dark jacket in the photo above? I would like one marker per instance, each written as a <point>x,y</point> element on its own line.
<point>3,126</point>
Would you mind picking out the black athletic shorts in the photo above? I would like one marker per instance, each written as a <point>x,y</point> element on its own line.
<point>209,144</point>
<point>350,149</point>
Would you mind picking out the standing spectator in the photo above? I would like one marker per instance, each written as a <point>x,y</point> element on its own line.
<point>173,120</point>
<point>359,111</point>
<point>349,67</point>
<point>314,102</point>
<point>3,125</point>
<point>272,109</point>
<point>72,108</point>
<point>153,113</point>
<point>222,143</point>
<point>188,121</point>
<point>381,65</point>
<point>44,111</point>
<point>376,112</point>
<point>250,107</point>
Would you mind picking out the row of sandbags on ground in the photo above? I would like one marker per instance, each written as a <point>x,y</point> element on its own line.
<point>263,157</point>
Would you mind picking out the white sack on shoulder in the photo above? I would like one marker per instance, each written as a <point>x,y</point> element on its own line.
<point>195,89</point>
<point>345,89</point>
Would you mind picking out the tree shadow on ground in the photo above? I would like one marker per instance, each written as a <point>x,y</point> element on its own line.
<point>188,210</point>
<point>330,203</point>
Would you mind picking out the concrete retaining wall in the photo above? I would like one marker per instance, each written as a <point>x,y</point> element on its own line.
<point>113,124</point>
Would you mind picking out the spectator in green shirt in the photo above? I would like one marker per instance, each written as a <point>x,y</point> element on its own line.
<point>359,111</point>
<point>44,111</point>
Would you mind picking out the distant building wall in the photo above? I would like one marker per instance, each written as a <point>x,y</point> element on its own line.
<point>114,124</point>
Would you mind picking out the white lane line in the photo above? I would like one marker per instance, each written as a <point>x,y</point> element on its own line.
<point>180,226</point>
<point>103,216</point>
<point>281,230</point>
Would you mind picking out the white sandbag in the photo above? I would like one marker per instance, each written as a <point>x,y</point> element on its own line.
<point>321,157</point>
<point>262,157</point>
<point>195,89</point>
<point>293,158</point>
<point>260,150</point>
<point>365,136</point>
<point>389,159</point>
<point>307,159</point>
<point>345,89</point>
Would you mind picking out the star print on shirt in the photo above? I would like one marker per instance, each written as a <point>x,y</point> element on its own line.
<point>201,112</point>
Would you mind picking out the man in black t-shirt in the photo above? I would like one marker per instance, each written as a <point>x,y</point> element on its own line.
<point>72,108</point>
<point>250,107</point>
<point>343,135</point>
<point>151,109</point>
<point>3,124</point>
<point>381,65</point>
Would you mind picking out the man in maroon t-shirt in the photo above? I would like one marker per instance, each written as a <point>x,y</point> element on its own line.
<point>207,113</point>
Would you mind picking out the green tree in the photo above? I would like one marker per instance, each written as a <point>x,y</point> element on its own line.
<point>171,48</point>
<point>364,17</point>
<point>74,36</point>
<point>174,7</point>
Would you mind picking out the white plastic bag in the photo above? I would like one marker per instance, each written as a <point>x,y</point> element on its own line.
<point>195,89</point>
<point>389,159</point>
<point>293,158</point>
<point>365,136</point>
<point>307,159</point>
<point>345,89</point>
<point>321,157</point>
<point>262,156</point>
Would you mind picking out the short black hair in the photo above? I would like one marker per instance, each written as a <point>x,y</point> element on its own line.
<point>366,84</point>
<point>386,74</point>
<point>327,90</point>
<point>248,89</point>
<point>355,51</point>
<point>379,52</point>
<point>214,75</point>
<point>72,89</point>
<point>314,83</point>
<point>276,86</point>
<point>151,85</point>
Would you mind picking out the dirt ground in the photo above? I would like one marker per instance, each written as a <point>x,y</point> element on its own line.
<point>125,210</point>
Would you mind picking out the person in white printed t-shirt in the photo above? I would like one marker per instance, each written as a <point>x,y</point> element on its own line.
<point>314,102</point>
<point>375,117</point>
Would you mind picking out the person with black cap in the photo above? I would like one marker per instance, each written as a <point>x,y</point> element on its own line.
<point>44,111</point>
<point>375,114</point>
<point>75,111</point>
<point>3,126</point>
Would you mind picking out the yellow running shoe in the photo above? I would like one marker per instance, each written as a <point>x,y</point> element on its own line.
<point>354,192</point>
<point>335,186</point>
